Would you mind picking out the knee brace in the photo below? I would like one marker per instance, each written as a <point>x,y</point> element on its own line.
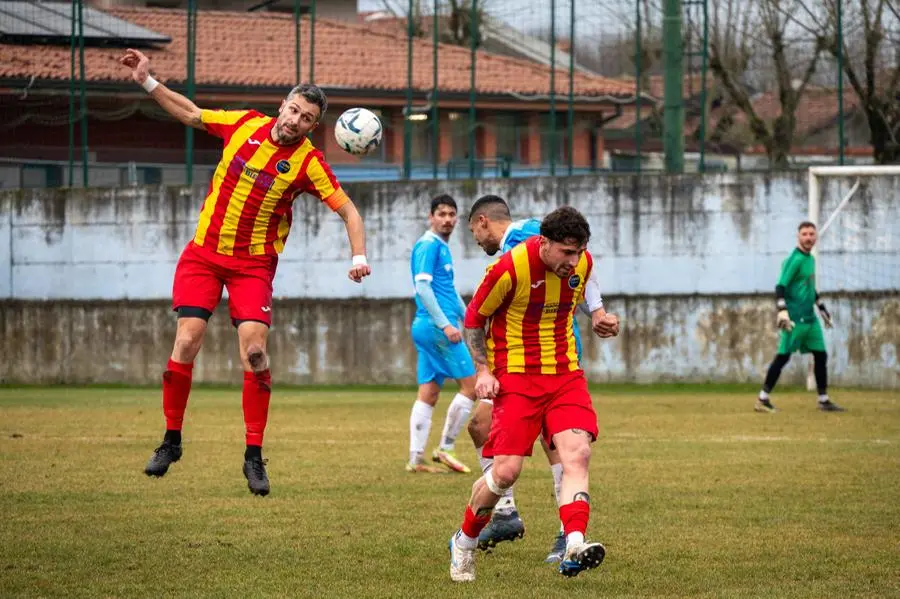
<point>492,484</point>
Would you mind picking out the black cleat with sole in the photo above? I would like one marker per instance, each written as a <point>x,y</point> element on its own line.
<point>257,479</point>
<point>590,556</point>
<point>163,456</point>
<point>502,527</point>
<point>830,406</point>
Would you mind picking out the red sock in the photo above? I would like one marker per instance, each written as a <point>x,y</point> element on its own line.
<point>574,516</point>
<point>257,391</point>
<point>473,524</point>
<point>176,388</point>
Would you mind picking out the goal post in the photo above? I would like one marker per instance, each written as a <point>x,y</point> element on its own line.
<point>853,224</point>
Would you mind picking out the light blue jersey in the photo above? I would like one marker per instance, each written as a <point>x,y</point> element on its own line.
<point>516,233</point>
<point>438,358</point>
<point>431,261</point>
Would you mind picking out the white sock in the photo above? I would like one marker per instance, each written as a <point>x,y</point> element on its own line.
<point>457,415</point>
<point>419,429</point>
<point>574,538</point>
<point>763,395</point>
<point>464,541</point>
<point>486,463</point>
<point>506,503</point>
<point>557,471</point>
<point>823,398</point>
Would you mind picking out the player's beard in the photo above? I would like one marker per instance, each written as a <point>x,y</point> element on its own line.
<point>285,137</point>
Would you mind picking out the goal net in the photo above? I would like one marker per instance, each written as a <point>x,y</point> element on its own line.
<point>857,211</point>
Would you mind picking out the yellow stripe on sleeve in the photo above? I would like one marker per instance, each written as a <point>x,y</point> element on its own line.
<point>319,178</point>
<point>221,117</point>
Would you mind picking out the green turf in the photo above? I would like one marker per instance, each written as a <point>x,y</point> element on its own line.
<point>694,495</point>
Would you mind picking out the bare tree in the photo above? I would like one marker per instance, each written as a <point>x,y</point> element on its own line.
<point>871,38</point>
<point>461,27</point>
<point>751,37</point>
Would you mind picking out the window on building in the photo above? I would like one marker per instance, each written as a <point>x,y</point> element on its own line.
<point>509,130</point>
<point>149,175</point>
<point>459,135</point>
<point>558,143</point>
<point>41,175</point>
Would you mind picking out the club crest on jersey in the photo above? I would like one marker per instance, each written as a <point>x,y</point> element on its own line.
<point>282,166</point>
<point>574,281</point>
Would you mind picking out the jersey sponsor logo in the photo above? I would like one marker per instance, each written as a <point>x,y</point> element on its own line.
<point>238,167</point>
<point>254,142</point>
<point>537,284</point>
<point>574,281</point>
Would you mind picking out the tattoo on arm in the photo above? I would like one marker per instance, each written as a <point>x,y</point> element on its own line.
<point>475,339</point>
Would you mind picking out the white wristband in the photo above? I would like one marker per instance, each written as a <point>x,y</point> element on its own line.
<point>360,260</point>
<point>149,84</point>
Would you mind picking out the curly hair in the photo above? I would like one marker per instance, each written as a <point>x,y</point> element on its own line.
<point>565,224</point>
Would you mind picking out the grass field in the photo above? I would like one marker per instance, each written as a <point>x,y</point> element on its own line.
<point>694,495</point>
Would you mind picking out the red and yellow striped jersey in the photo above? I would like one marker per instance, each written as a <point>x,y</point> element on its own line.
<point>247,210</point>
<point>529,311</point>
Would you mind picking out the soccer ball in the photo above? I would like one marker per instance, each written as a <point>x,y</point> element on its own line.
<point>358,131</point>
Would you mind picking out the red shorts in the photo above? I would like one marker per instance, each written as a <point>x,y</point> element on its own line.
<point>201,274</point>
<point>530,404</point>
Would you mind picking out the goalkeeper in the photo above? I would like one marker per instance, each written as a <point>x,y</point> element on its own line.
<point>797,299</point>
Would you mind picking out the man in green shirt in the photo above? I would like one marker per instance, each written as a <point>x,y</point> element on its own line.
<point>796,300</point>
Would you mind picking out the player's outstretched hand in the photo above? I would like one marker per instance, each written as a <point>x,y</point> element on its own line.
<point>486,386</point>
<point>826,315</point>
<point>139,64</point>
<point>605,325</point>
<point>452,333</point>
<point>784,321</point>
<point>358,272</point>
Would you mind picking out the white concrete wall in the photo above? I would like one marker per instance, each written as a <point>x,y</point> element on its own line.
<point>724,234</point>
<point>689,263</point>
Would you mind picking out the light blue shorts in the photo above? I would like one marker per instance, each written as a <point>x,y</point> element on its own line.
<point>438,358</point>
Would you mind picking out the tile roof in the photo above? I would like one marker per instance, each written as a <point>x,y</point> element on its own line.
<point>257,50</point>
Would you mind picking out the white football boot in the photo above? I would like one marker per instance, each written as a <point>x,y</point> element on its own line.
<point>462,562</point>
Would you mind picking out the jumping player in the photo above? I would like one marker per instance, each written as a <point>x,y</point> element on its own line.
<point>267,162</point>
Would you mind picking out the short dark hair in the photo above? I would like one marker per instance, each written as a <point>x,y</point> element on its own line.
<point>493,207</point>
<point>443,200</point>
<point>806,223</point>
<point>566,224</point>
<point>311,93</point>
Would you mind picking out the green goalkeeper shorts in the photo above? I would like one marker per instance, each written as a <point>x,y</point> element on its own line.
<point>806,337</point>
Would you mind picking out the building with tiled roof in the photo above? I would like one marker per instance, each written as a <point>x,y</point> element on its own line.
<point>248,59</point>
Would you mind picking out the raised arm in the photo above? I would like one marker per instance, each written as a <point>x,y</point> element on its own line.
<point>181,108</point>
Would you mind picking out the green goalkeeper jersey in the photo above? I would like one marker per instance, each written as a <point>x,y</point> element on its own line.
<point>798,277</point>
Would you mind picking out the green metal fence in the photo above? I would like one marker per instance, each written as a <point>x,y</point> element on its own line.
<point>701,84</point>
